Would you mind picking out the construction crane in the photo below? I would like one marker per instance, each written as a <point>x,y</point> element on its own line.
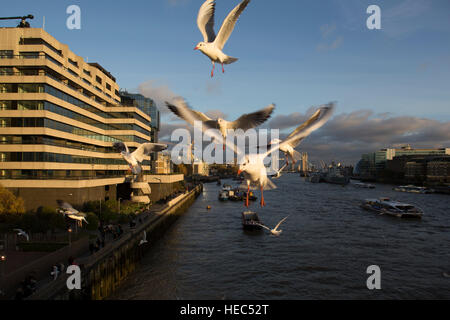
<point>23,23</point>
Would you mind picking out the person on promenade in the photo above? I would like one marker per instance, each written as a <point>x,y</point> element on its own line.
<point>55,272</point>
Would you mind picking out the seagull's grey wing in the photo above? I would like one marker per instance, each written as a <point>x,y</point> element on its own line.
<point>211,124</point>
<point>64,205</point>
<point>190,116</point>
<point>146,148</point>
<point>295,142</point>
<point>279,223</point>
<point>186,113</point>
<point>205,20</point>
<point>325,114</point>
<point>261,225</point>
<point>67,207</point>
<point>120,147</point>
<point>252,120</point>
<point>229,23</point>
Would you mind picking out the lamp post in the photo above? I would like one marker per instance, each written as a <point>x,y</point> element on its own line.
<point>2,271</point>
<point>70,236</point>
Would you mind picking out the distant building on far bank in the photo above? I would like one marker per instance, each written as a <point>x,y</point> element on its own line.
<point>200,168</point>
<point>162,164</point>
<point>406,164</point>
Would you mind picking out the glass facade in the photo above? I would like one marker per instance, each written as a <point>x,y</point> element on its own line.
<point>79,85</point>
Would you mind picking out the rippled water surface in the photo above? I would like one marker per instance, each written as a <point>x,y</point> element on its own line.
<point>323,253</point>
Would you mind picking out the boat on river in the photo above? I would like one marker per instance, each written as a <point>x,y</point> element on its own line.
<point>364,185</point>
<point>413,189</point>
<point>392,208</point>
<point>250,221</point>
<point>223,195</point>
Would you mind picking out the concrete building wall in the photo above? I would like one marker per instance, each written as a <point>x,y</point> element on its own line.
<point>36,197</point>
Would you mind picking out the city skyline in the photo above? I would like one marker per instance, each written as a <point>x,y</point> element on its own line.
<point>389,84</point>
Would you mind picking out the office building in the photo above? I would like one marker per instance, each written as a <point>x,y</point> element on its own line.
<point>59,117</point>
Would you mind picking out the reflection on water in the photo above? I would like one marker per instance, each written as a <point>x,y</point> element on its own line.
<point>323,253</point>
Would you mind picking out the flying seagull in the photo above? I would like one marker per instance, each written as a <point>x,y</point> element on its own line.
<point>212,45</point>
<point>255,172</point>
<point>134,159</point>
<point>289,148</point>
<point>144,239</point>
<point>71,212</point>
<point>244,122</point>
<point>275,230</point>
<point>22,233</point>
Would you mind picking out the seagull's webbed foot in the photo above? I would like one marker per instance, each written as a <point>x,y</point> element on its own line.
<point>223,70</point>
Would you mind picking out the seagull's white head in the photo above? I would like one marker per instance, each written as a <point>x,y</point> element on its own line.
<point>200,46</point>
<point>243,167</point>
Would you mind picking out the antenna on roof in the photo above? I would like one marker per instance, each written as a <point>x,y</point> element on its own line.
<point>43,23</point>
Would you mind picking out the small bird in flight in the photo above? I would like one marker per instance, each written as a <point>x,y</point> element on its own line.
<point>134,159</point>
<point>275,230</point>
<point>244,122</point>
<point>22,233</point>
<point>212,45</point>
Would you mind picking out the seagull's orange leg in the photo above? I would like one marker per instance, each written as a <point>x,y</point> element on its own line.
<point>263,204</point>
<point>248,191</point>
<point>223,70</point>
<point>212,71</point>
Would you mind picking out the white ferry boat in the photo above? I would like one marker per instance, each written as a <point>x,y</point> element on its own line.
<point>413,189</point>
<point>392,208</point>
<point>364,185</point>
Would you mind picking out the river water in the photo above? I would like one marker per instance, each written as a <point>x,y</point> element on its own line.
<point>327,243</point>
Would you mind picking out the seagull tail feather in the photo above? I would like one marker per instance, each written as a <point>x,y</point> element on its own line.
<point>229,60</point>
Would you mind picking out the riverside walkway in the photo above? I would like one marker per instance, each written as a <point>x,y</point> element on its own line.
<point>49,288</point>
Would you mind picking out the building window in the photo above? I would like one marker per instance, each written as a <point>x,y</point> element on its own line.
<point>30,88</point>
<point>72,72</point>
<point>108,86</point>
<point>6,71</point>
<point>6,54</point>
<point>74,63</point>
<point>29,55</point>
<point>6,88</point>
<point>98,79</point>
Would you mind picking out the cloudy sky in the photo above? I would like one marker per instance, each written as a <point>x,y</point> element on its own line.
<point>392,86</point>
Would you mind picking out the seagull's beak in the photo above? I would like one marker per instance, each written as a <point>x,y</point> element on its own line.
<point>196,48</point>
<point>239,172</point>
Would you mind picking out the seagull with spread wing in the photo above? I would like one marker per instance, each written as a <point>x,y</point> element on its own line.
<point>275,230</point>
<point>22,233</point>
<point>212,45</point>
<point>134,159</point>
<point>72,213</point>
<point>244,122</point>
<point>289,148</point>
<point>255,172</point>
